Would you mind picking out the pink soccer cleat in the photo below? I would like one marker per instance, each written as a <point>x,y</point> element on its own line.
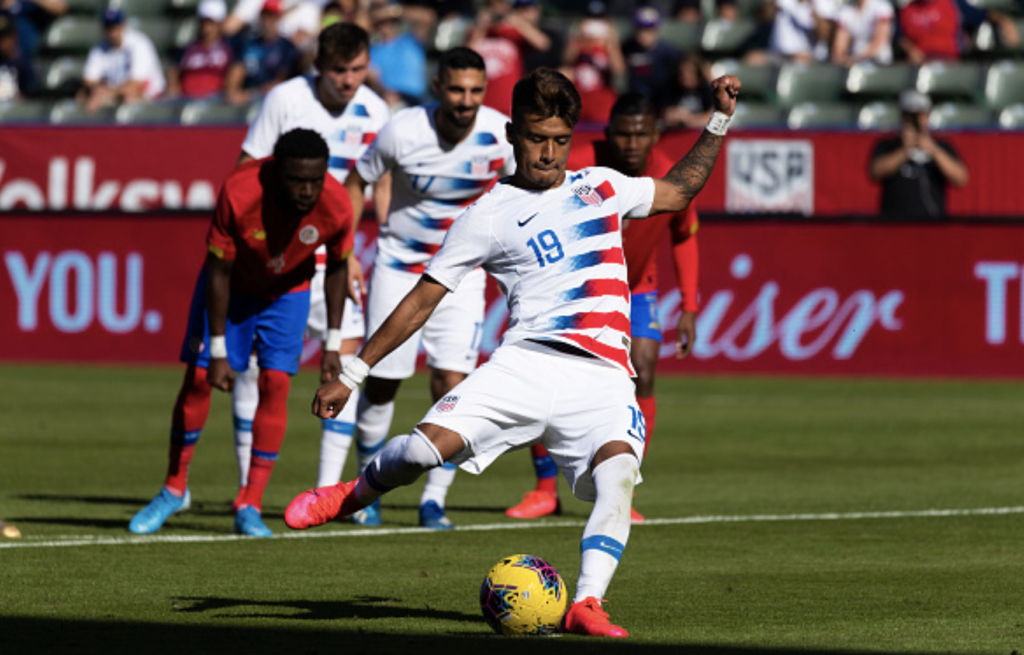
<point>587,618</point>
<point>535,504</point>
<point>320,505</point>
<point>635,516</point>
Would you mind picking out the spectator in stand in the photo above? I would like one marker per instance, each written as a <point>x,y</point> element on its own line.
<point>203,67</point>
<point>803,29</point>
<point>299,19</point>
<point>427,17</point>
<point>31,18</point>
<point>398,62</point>
<point>690,101</point>
<point>650,61</point>
<point>930,29</point>
<point>690,11</point>
<point>502,36</point>
<point>532,12</point>
<point>16,76</point>
<point>914,168</point>
<point>864,33</point>
<point>263,59</point>
<point>593,61</point>
<point>123,68</point>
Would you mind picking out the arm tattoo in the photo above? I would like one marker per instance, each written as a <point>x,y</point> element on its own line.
<point>692,171</point>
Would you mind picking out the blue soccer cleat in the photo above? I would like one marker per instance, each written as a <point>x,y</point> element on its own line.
<point>249,522</point>
<point>432,516</point>
<point>369,516</point>
<point>152,517</point>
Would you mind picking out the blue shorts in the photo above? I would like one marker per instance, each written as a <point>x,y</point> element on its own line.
<point>274,328</point>
<point>643,316</point>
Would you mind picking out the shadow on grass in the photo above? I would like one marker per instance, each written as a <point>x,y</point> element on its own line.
<point>361,607</point>
<point>60,636</point>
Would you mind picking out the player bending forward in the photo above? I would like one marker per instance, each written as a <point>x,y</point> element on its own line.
<point>553,241</point>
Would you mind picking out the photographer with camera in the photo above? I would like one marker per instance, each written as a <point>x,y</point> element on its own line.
<point>914,168</point>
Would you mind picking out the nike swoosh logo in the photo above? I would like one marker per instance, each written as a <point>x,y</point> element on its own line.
<point>522,223</point>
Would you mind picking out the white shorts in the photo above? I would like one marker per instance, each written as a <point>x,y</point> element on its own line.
<point>451,336</point>
<point>528,392</point>
<point>352,324</point>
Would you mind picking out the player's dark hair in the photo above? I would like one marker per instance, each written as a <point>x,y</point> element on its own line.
<point>632,104</point>
<point>460,58</point>
<point>343,41</point>
<point>300,143</point>
<point>546,93</point>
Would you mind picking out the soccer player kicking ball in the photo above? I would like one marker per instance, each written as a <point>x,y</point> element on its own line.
<point>552,239</point>
<point>253,294</point>
<point>629,148</point>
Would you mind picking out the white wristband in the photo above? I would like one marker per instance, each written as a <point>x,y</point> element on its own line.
<point>333,343</point>
<point>354,373</point>
<point>718,123</point>
<point>218,347</point>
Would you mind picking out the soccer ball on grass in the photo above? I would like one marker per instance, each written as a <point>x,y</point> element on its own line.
<point>523,595</point>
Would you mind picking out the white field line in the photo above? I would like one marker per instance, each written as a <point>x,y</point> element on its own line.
<point>90,540</point>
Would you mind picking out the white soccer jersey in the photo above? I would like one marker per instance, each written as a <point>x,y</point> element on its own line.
<point>861,21</point>
<point>294,104</point>
<point>557,255</point>
<point>432,182</point>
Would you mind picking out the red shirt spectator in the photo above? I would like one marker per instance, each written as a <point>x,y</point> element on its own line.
<point>931,30</point>
<point>204,64</point>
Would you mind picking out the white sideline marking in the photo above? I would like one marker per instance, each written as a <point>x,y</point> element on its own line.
<point>92,540</point>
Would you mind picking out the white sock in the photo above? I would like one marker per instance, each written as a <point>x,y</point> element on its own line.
<point>243,401</point>
<point>401,462</point>
<point>607,530</point>
<point>372,425</point>
<point>336,439</point>
<point>439,480</point>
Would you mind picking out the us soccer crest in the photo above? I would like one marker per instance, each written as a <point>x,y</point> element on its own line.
<point>480,166</point>
<point>353,137</point>
<point>587,194</point>
<point>447,403</point>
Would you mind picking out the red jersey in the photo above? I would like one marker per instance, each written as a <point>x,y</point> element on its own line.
<point>502,51</point>
<point>641,238</point>
<point>273,253</point>
<point>933,26</point>
<point>203,68</point>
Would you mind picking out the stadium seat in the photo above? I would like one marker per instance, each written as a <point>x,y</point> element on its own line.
<point>69,112</point>
<point>212,112</point>
<point>685,36</point>
<point>140,8</point>
<point>1004,84</point>
<point>811,115</point>
<point>86,7</point>
<point>63,75</point>
<point>879,116</point>
<point>186,32</point>
<point>184,6</point>
<point>722,37</point>
<point>867,79</point>
<point>161,31</point>
<point>164,112</point>
<point>71,34</point>
<point>955,115</point>
<point>1012,118</point>
<point>24,111</point>
<point>758,81</point>
<point>950,80</point>
<point>252,110</point>
<point>800,82</point>
<point>758,115</point>
<point>988,42</point>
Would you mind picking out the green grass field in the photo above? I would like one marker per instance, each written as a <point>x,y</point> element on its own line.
<point>787,516</point>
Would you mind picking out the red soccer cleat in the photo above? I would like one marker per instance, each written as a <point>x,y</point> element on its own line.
<point>535,504</point>
<point>320,505</point>
<point>587,618</point>
<point>635,516</point>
